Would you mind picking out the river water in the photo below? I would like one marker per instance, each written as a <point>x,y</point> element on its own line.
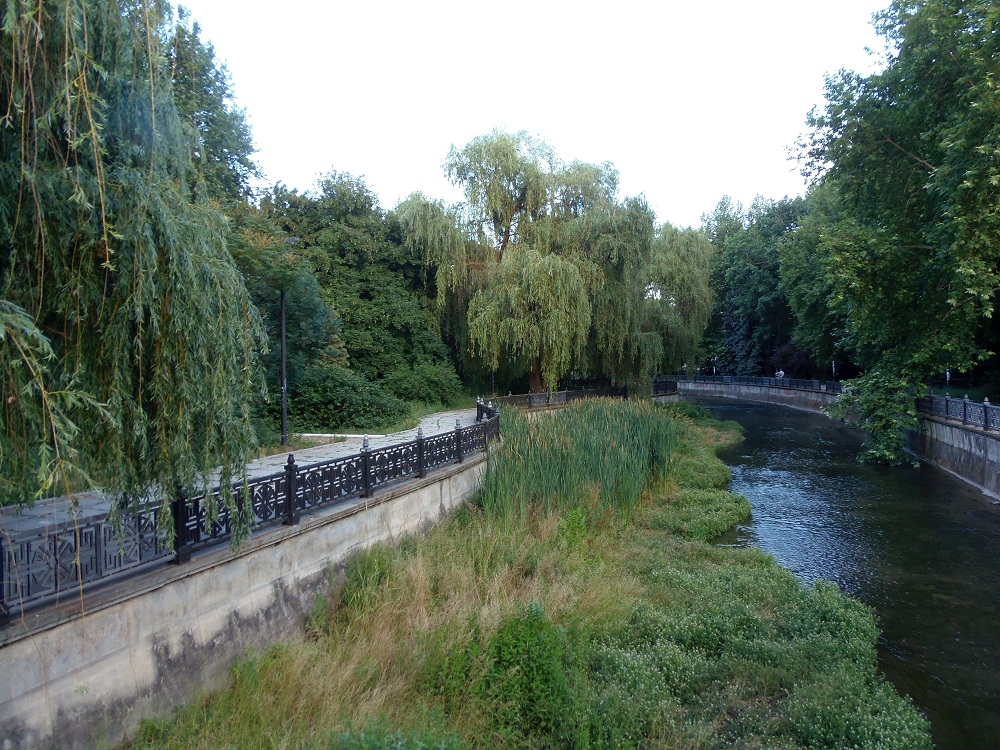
<point>919,546</point>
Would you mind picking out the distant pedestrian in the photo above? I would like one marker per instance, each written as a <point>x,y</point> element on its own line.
<point>780,374</point>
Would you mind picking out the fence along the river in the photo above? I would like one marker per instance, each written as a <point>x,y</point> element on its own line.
<point>58,558</point>
<point>561,398</point>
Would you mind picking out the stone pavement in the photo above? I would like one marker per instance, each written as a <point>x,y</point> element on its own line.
<point>86,506</point>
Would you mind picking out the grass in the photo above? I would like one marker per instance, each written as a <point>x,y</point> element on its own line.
<point>593,615</point>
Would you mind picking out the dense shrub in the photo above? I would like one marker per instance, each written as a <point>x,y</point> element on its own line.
<point>426,382</point>
<point>330,397</point>
<point>526,681</point>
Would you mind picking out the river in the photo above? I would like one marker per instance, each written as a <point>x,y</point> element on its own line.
<point>919,546</point>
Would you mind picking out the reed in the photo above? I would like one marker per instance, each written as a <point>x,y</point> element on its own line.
<point>595,456</point>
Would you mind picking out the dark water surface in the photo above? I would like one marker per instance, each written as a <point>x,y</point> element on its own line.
<point>919,546</point>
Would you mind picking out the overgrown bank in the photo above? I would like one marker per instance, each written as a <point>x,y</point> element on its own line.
<point>592,614</point>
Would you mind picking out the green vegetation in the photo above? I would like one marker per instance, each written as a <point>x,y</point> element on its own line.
<point>562,623</point>
<point>139,363</point>
<point>544,272</point>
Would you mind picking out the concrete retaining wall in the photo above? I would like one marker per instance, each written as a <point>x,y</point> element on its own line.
<point>968,452</point>
<point>85,673</point>
<point>794,397</point>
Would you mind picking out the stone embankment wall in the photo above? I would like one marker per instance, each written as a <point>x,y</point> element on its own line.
<point>798,398</point>
<point>970,453</point>
<point>86,672</point>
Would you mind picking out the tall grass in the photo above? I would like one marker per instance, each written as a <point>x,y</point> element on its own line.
<point>597,455</point>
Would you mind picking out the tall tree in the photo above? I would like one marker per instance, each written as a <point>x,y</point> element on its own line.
<point>373,280</point>
<point>221,144</point>
<point>755,321</point>
<point>542,247</point>
<point>127,280</point>
<point>912,151</point>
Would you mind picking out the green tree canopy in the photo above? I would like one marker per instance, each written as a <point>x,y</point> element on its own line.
<point>912,152</point>
<point>679,296</point>
<point>753,322</point>
<point>547,266</point>
<point>123,275</point>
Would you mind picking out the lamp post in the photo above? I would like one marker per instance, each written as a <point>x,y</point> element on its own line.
<point>284,376</point>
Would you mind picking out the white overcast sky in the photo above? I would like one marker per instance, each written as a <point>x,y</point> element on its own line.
<point>689,100</point>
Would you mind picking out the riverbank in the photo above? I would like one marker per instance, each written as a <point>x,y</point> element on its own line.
<point>597,616</point>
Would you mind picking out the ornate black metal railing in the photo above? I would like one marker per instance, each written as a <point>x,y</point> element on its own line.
<point>972,413</point>
<point>56,561</point>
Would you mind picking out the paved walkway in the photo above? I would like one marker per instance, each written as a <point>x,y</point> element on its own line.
<point>93,505</point>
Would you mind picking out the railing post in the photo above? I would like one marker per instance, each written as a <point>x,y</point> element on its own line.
<point>965,409</point>
<point>366,480</point>
<point>986,413</point>
<point>420,453</point>
<point>182,544</point>
<point>458,441</point>
<point>291,480</point>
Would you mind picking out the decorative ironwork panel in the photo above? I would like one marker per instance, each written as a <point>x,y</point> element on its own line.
<point>992,417</point>
<point>474,438</point>
<point>329,482</point>
<point>938,406</point>
<point>953,408</point>
<point>220,527</point>
<point>267,498</point>
<point>975,414</point>
<point>392,463</point>
<point>16,581</point>
<point>439,449</point>
<point>314,487</point>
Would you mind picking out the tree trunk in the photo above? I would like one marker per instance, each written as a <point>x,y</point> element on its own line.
<point>535,382</point>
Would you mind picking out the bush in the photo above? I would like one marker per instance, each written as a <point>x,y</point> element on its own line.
<point>330,397</point>
<point>527,678</point>
<point>426,382</point>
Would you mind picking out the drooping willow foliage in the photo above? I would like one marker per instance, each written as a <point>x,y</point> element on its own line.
<point>545,270</point>
<point>118,291</point>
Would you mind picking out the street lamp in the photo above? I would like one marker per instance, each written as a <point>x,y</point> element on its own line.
<point>284,376</point>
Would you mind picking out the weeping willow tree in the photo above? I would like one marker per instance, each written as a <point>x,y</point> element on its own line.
<point>128,337</point>
<point>548,264</point>
<point>679,297</point>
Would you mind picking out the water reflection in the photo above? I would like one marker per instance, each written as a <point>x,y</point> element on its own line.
<point>918,545</point>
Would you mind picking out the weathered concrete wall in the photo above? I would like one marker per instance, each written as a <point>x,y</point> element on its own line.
<point>794,397</point>
<point>84,674</point>
<point>968,452</point>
